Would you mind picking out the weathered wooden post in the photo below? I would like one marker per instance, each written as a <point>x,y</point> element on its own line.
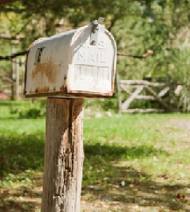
<point>66,68</point>
<point>63,155</point>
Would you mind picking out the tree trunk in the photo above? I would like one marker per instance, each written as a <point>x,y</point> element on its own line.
<point>17,69</point>
<point>118,93</point>
<point>13,80</point>
<point>63,155</point>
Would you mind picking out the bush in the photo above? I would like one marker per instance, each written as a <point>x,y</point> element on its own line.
<point>178,72</point>
<point>102,104</point>
<point>31,110</point>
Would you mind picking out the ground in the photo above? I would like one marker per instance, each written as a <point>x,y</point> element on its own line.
<point>132,162</point>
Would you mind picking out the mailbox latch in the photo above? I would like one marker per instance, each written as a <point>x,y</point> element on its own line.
<point>95,29</point>
<point>38,55</point>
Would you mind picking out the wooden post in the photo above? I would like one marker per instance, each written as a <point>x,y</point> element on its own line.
<point>63,155</point>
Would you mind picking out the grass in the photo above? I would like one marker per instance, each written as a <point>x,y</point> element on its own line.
<point>132,162</point>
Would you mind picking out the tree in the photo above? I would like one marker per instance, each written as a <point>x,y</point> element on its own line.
<point>139,26</point>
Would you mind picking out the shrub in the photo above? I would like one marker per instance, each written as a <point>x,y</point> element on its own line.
<point>31,110</point>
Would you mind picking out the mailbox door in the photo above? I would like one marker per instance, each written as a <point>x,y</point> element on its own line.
<point>92,70</point>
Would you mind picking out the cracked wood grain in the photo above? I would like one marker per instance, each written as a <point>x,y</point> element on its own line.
<point>63,155</point>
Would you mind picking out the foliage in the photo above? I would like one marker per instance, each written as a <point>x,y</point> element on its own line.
<point>179,73</point>
<point>29,110</point>
<point>138,27</point>
<point>102,104</point>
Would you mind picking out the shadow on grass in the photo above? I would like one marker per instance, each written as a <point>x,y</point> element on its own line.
<point>22,199</point>
<point>107,180</point>
<point>113,152</point>
<point>104,178</point>
<point>21,152</point>
<point>138,189</point>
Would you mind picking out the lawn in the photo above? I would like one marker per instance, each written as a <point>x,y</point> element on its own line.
<point>132,162</point>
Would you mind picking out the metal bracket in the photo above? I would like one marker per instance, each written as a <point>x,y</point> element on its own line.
<point>38,55</point>
<point>95,29</point>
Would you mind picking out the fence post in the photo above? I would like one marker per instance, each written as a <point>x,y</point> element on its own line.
<point>63,155</point>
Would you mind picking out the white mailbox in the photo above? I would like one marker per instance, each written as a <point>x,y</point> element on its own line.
<point>80,62</point>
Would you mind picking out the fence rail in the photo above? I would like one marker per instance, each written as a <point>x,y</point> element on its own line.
<point>138,90</point>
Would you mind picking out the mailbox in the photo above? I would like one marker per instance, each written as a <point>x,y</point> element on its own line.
<point>80,62</point>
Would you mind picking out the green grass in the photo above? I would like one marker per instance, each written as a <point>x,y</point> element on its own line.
<point>138,160</point>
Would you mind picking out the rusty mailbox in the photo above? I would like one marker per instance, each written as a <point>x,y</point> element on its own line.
<point>80,62</point>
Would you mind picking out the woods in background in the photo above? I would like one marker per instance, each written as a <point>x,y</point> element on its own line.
<point>157,29</point>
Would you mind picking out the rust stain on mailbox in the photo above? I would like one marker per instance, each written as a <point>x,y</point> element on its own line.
<point>42,90</point>
<point>70,64</point>
<point>48,69</point>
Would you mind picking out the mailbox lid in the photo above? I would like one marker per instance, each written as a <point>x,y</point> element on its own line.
<point>69,65</point>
